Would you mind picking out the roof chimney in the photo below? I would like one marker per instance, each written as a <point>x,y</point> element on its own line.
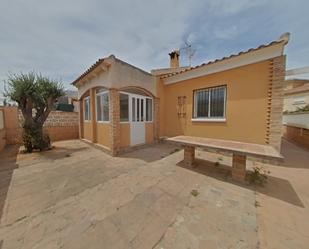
<point>174,58</point>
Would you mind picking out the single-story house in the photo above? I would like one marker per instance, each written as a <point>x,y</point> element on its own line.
<point>239,97</point>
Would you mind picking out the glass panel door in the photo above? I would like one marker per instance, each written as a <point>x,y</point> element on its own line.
<point>133,110</point>
<point>142,110</point>
<point>137,125</point>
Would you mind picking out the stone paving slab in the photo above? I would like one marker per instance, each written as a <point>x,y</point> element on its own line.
<point>76,196</point>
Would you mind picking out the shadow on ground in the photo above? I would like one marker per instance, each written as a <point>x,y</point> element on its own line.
<point>8,163</point>
<point>61,152</point>
<point>223,173</point>
<point>152,153</point>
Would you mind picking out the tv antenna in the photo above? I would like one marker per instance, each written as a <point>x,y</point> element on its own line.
<point>189,51</point>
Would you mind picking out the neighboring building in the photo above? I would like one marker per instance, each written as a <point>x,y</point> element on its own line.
<point>296,94</point>
<point>70,98</point>
<point>239,97</point>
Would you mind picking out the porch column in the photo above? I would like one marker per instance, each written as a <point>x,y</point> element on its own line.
<point>239,167</point>
<point>81,118</point>
<point>114,116</point>
<point>156,119</point>
<point>189,155</point>
<point>275,102</point>
<point>93,116</point>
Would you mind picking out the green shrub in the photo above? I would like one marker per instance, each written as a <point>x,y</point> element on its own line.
<point>258,176</point>
<point>194,192</point>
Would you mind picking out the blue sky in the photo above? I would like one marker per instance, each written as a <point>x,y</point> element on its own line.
<point>62,38</point>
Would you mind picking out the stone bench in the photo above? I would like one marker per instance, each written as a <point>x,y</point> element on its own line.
<point>239,150</point>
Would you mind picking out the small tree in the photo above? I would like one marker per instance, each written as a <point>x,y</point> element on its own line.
<point>35,96</point>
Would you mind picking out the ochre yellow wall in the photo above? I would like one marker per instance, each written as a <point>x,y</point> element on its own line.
<point>124,135</point>
<point>103,134</point>
<point>12,125</point>
<point>87,130</point>
<point>148,132</point>
<point>161,97</point>
<point>246,105</point>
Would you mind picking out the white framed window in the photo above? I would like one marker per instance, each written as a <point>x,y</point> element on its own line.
<point>124,107</point>
<point>149,109</point>
<point>102,106</point>
<point>209,104</point>
<point>87,116</point>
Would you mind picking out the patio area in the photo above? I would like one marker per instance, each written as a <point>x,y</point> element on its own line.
<point>76,196</point>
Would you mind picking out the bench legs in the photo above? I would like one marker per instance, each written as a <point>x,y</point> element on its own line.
<point>239,168</point>
<point>189,155</point>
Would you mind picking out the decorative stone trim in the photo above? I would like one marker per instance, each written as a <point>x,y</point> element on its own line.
<point>156,118</point>
<point>93,115</point>
<point>275,102</point>
<point>114,116</point>
<point>81,118</point>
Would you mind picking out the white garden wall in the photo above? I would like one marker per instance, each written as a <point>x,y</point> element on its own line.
<point>297,120</point>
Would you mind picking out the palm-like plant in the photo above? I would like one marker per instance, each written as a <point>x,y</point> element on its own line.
<point>35,96</point>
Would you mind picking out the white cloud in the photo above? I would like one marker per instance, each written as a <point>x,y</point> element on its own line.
<point>228,7</point>
<point>226,33</point>
<point>63,38</point>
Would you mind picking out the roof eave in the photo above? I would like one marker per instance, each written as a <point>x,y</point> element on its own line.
<point>99,66</point>
<point>250,56</point>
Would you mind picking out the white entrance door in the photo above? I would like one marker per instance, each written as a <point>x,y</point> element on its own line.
<point>137,107</point>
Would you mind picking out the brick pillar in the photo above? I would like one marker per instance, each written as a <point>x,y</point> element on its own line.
<point>189,155</point>
<point>275,105</point>
<point>81,118</point>
<point>239,167</point>
<point>114,116</point>
<point>156,119</point>
<point>93,115</point>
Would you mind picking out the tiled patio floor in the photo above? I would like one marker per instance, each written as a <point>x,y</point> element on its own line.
<point>76,196</point>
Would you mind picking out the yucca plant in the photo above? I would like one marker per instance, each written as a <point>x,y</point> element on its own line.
<point>35,96</point>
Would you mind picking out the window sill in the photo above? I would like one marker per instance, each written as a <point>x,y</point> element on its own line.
<point>103,122</point>
<point>139,121</point>
<point>208,119</point>
<point>87,121</point>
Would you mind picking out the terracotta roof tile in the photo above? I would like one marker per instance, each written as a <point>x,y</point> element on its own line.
<point>99,61</point>
<point>224,58</point>
<point>91,68</point>
<point>283,38</point>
